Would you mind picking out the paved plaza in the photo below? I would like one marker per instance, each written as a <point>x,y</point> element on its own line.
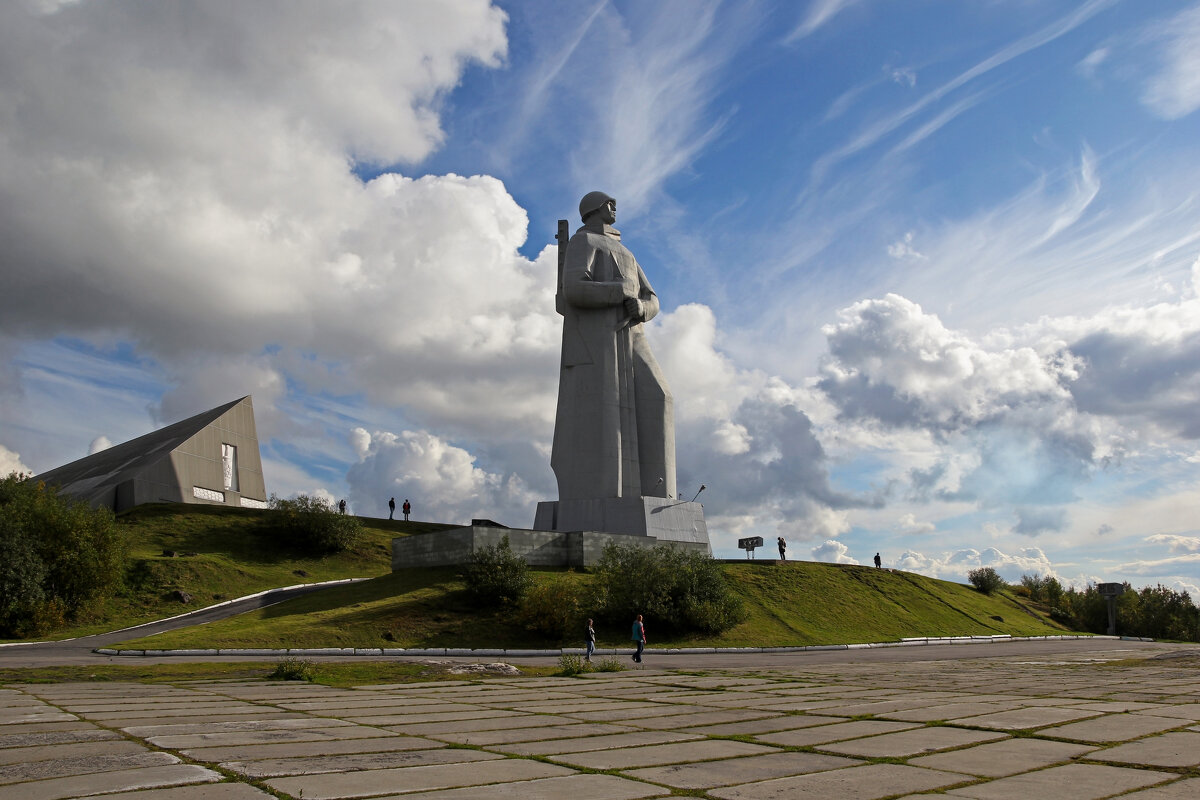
<point>1075,726</point>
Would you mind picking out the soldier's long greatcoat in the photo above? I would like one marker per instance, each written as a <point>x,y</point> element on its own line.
<point>614,435</point>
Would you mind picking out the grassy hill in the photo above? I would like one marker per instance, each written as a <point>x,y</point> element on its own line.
<point>797,603</point>
<point>220,554</point>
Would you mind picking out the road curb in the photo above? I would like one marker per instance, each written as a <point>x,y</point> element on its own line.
<point>462,652</point>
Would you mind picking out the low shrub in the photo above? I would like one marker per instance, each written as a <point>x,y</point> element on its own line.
<point>312,525</point>
<point>986,580</point>
<point>608,664</point>
<point>294,669</point>
<point>570,665</point>
<point>496,575</point>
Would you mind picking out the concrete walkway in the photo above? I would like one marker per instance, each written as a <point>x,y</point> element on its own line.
<point>1067,723</point>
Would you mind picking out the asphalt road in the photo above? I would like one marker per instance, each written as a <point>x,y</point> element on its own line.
<point>79,651</point>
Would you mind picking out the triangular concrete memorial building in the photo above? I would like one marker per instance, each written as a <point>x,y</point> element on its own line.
<point>210,458</point>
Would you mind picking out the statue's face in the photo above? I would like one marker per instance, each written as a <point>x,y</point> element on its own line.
<point>608,212</point>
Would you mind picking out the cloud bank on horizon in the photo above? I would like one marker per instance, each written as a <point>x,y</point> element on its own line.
<point>931,275</point>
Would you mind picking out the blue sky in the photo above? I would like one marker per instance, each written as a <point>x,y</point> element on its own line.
<point>929,270</point>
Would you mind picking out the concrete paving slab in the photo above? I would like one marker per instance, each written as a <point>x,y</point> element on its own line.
<point>74,724</point>
<point>591,743</point>
<point>312,765</point>
<point>730,771</point>
<point>24,716</point>
<point>1069,782</point>
<point>426,716</point>
<point>509,736</point>
<point>88,734</point>
<point>801,705</point>
<point>213,711</point>
<point>105,782</point>
<point>832,733</point>
<point>673,721</point>
<point>1028,717</point>
<point>1116,707</point>
<point>911,743</point>
<point>273,724</point>
<point>164,706</point>
<point>1184,711</point>
<point>853,783</point>
<point>654,755</point>
<point>580,702</point>
<point>783,722</point>
<point>643,712</point>
<point>46,752</point>
<point>489,724</point>
<point>1179,790</point>
<point>333,786</point>
<point>1180,749</point>
<point>722,699</point>
<point>946,711</point>
<point>874,708</point>
<point>1007,757</point>
<point>593,787</point>
<point>1114,728</point>
<point>190,740</point>
<point>202,791</point>
<point>82,765</point>
<point>248,752</point>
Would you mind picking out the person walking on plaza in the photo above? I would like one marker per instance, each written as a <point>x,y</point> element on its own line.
<point>591,642</point>
<point>782,549</point>
<point>878,561</point>
<point>392,508</point>
<point>639,638</point>
<point>406,508</point>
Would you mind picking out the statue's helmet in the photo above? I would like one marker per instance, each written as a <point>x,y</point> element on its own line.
<point>592,201</point>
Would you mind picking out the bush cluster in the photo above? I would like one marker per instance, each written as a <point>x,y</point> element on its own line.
<point>311,525</point>
<point>554,608</point>
<point>1040,589</point>
<point>986,580</point>
<point>496,575</point>
<point>681,590</point>
<point>1153,611</point>
<point>58,557</point>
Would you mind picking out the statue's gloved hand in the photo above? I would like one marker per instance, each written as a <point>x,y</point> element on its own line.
<point>633,307</point>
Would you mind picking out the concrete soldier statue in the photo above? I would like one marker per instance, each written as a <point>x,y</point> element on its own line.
<point>614,434</point>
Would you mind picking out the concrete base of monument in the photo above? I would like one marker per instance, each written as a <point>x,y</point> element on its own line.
<point>538,548</point>
<point>664,519</point>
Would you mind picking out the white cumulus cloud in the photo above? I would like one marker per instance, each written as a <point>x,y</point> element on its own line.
<point>834,552</point>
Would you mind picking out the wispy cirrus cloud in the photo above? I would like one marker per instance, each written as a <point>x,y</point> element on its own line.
<point>876,131</point>
<point>651,109</point>
<point>818,13</point>
<point>1174,91</point>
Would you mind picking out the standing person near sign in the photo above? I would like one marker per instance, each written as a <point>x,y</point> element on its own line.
<point>639,638</point>
<point>782,549</point>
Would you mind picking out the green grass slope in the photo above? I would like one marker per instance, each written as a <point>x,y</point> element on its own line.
<point>797,603</point>
<point>220,555</point>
